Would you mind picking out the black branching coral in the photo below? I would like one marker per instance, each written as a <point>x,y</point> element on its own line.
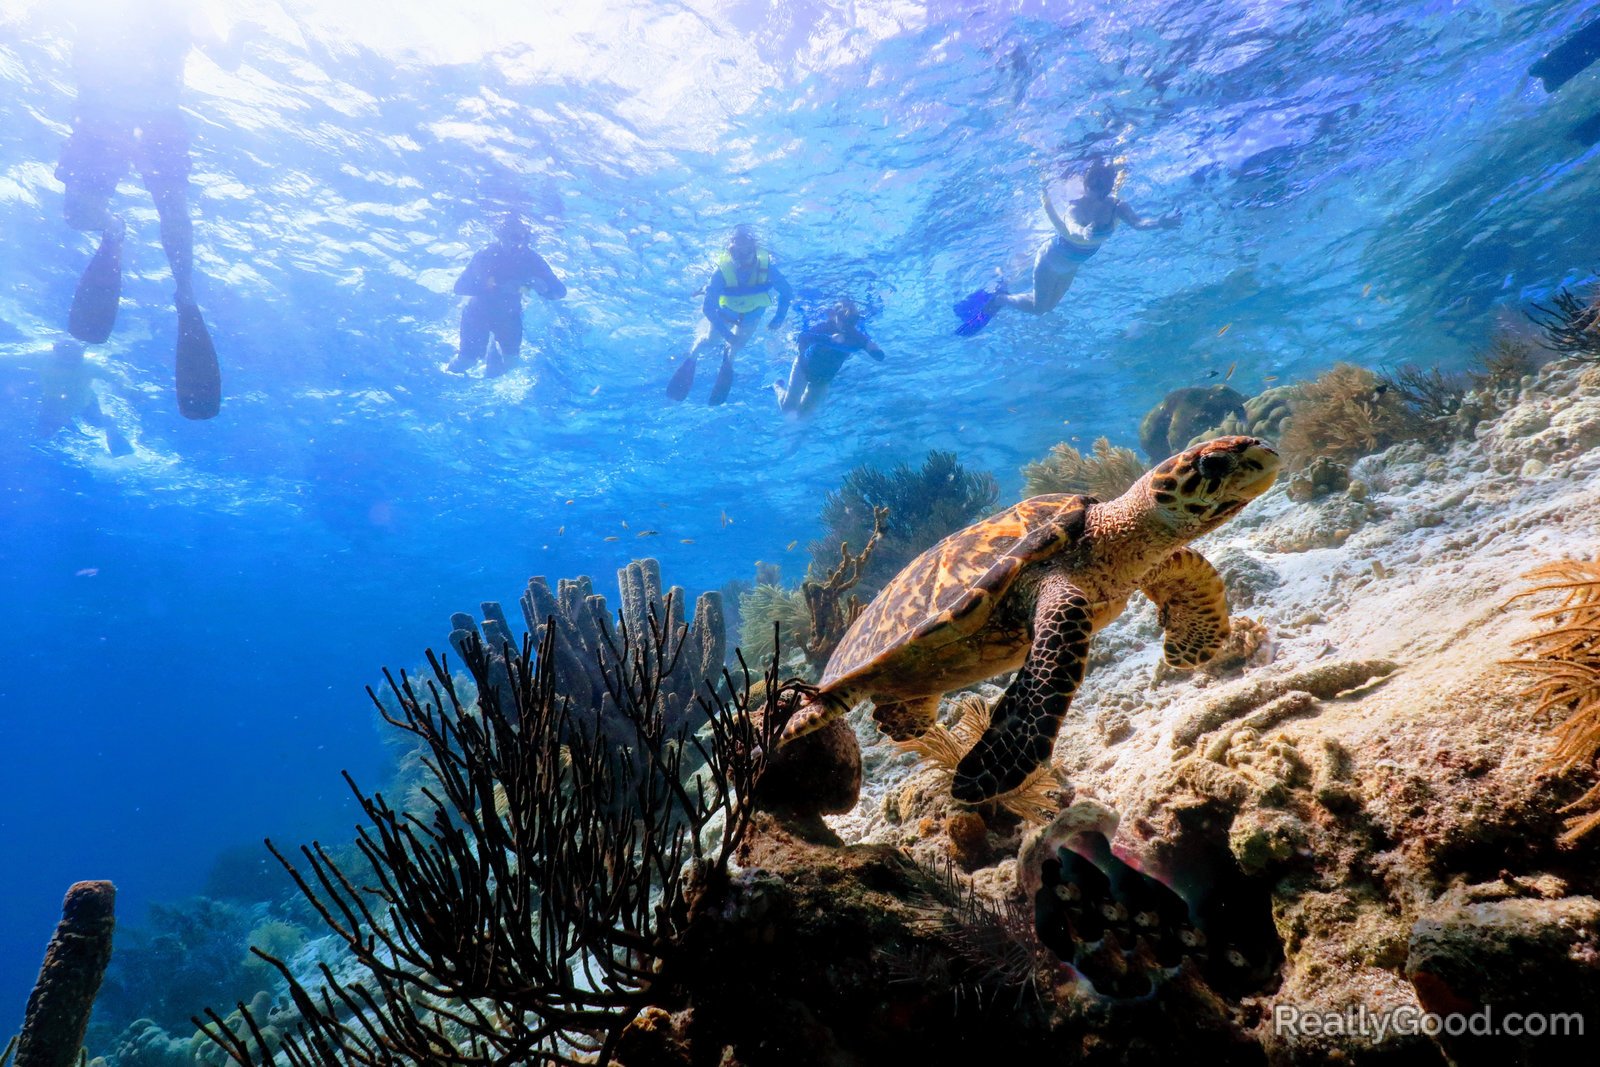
<point>527,917</point>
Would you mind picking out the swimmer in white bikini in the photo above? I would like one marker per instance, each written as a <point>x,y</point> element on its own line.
<point>1089,222</point>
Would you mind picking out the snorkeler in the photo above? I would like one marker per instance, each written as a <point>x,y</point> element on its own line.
<point>740,287</point>
<point>493,283</point>
<point>129,61</point>
<point>823,350</point>
<point>67,394</point>
<point>1090,220</point>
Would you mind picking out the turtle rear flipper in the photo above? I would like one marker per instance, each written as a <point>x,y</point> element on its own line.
<point>903,720</point>
<point>1191,606</point>
<point>1022,729</point>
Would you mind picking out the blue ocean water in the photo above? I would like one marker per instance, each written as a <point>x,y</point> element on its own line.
<point>190,627</point>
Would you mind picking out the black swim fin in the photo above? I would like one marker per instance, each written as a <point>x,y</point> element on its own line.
<point>682,379</point>
<point>199,378</point>
<point>724,382</point>
<point>94,302</point>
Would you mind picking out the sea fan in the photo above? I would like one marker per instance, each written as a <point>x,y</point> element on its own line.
<point>1343,415</point>
<point>1504,362</point>
<point>941,748</point>
<point>1565,663</point>
<point>1571,324</point>
<point>765,605</point>
<point>925,504</point>
<point>1106,473</point>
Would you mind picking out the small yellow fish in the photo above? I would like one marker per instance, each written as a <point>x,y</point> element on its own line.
<point>725,519</point>
<point>647,533</point>
<point>1066,422</point>
<point>1231,368</point>
<point>569,501</point>
<point>790,546</point>
<point>1270,378</point>
<point>1365,289</point>
<point>624,524</point>
<point>595,391</point>
<point>685,540</point>
<point>613,537</point>
<point>561,531</point>
<point>1224,330</point>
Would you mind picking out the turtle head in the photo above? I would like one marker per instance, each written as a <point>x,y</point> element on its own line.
<point>1202,487</point>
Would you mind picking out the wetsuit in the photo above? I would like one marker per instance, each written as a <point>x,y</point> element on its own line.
<point>493,280</point>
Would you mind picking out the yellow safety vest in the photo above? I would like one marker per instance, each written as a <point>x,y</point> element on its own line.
<point>740,298</point>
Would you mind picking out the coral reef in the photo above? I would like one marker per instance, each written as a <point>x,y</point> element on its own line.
<point>1503,362</point>
<point>74,963</point>
<point>830,612</point>
<point>1318,478</point>
<point>1343,415</point>
<point>760,609</point>
<point>925,504</point>
<point>1565,662</point>
<point>1571,324</point>
<point>1105,474</point>
<point>1186,414</point>
<point>585,650</point>
<point>532,914</point>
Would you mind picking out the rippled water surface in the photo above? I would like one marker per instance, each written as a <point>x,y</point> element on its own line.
<point>191,626</point>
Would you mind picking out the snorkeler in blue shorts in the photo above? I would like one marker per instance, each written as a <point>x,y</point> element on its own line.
<point>129,63</point>
<point>823,350</point>
<point>1089,222</point>
<point>493,283</point>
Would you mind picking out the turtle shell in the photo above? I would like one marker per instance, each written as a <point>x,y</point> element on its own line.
<point>948,592</point>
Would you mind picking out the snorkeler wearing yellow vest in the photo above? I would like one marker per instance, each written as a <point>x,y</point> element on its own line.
<point>1089,221</point>
<point>739,291</point>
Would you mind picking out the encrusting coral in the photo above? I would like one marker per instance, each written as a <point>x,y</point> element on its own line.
<point>529,916</point>
<point>1565,662</point>
<point>1105,474</point>
<point>925,504</point>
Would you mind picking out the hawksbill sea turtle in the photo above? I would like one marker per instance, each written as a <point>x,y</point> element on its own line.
<point>1027,588</point>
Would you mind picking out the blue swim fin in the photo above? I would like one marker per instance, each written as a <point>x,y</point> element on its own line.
<point>682,380</point>
<point>973,313</point>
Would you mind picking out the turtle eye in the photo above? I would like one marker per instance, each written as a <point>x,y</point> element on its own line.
<point>1216,465</point>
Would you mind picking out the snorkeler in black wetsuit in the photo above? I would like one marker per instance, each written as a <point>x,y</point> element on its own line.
<point>129,61</point>
<point>823,350</point>
<point>493,282</point>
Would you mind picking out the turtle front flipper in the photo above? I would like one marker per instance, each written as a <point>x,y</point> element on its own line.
<point>1022,728</point>
<point>817,709</point>
<point>1191,606</point>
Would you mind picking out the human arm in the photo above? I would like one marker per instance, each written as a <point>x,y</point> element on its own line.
<point>1132,218</point>
<point>860,342</point>
<point>776,279</point>
<point>711,307</point>
<point>1052,214</point>
<point>542,280</point>
<point>476,280</point>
